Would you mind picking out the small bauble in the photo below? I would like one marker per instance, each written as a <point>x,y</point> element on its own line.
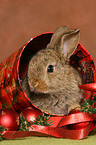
<point>31,114</point>
<point>9,119</point>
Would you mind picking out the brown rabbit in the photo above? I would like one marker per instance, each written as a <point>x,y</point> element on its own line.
<point>51,83</point>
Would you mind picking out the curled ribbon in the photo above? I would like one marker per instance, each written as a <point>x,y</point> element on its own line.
<point>73,126</point>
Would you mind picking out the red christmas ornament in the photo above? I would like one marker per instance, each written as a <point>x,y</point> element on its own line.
<point>31,113</point>
<point>9,119</point>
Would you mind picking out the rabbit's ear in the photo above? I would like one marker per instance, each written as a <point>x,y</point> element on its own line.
<point>67,43</point>
<point>56,35</point>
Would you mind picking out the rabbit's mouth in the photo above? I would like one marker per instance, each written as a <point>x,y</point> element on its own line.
<point>39,87</point>
<point>39,91</point>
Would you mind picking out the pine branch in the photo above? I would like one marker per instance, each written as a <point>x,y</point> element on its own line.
<point>24,124</point>
<point>1,129</point>
<point>43,120</point>
<point>88,106</point>
<point>40,120</point>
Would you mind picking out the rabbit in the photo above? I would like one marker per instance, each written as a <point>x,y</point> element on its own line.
<point>51,83</point>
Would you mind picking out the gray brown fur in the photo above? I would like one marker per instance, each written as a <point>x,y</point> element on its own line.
<point>56,92</point>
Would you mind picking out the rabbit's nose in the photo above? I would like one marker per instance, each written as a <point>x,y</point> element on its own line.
<point>33,86</point>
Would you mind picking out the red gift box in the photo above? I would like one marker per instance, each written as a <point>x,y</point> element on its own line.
<point>14,68</point>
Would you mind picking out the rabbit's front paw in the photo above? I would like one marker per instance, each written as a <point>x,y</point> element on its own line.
<point>76,107</point>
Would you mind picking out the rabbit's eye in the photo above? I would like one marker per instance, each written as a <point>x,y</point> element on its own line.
<point>50,69</point>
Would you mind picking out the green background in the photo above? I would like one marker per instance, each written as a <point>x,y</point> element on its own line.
<point>89,140</point>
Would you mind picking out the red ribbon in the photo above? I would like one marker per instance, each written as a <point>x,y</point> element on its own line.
<point>81,124</point>
<point>88,87</point>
